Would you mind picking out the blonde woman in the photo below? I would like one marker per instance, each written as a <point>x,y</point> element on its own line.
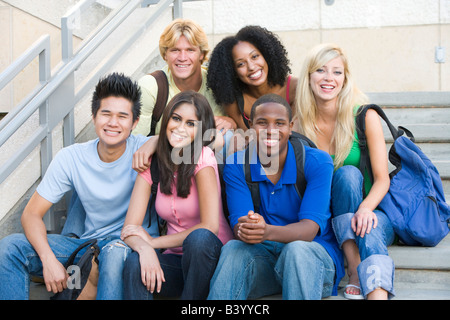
<point>326,104</point>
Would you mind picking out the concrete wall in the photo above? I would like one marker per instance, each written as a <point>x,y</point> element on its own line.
<point>22,22</point>
<point>390,43</point>
<point>19,30</point>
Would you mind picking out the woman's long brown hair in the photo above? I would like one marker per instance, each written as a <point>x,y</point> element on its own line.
<point>164,151</point>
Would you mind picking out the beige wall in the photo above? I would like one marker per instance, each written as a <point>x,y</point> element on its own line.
<point>390,43</point>
<point>18,31</point>
<point>388,59</point>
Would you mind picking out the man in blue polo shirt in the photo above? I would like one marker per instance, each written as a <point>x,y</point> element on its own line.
<point>289,246</point>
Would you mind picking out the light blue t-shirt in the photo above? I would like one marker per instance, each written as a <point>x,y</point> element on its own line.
<point>104,189</point>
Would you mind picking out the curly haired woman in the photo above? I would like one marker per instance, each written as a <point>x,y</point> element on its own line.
<point>246,66</point>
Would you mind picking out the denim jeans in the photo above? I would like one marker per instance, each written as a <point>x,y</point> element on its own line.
<point>75,219</point>
<point>18,260</point>
<point>376,268</point>
<point>187,276</point>
<point>300,270</point>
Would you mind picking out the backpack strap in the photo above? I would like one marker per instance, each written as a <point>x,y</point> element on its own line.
<point>299,151</point>
<point>253,186</point>
<point>240,102</point>
<point>92,242</point>
<point>154,171</point>
<point>161,98</point>
<point>361,130</point>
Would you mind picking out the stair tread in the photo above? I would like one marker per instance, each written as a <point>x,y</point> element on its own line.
<point>406,294</point>
<point>434,258</point>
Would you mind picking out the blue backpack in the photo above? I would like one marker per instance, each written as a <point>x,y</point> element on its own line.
<point>415,202</point>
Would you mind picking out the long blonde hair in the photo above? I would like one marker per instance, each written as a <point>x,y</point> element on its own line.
<point>349,97</point>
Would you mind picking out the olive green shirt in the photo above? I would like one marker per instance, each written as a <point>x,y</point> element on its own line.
<point>149,91</point>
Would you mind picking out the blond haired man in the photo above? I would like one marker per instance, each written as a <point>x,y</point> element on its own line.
<point>184,46</point>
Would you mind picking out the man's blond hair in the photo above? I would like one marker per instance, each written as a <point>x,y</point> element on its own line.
<point>193,32</point>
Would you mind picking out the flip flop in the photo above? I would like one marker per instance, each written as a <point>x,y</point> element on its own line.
<point>353,296</point>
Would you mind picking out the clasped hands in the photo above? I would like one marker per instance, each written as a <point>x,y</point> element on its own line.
<point>251,228</point>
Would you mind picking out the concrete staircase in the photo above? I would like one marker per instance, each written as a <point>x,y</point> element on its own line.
<point>422,273</point>
<point>431,128</point>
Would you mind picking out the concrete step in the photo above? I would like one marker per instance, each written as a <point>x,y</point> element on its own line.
<point>418,114</point>
<point>422,258</point>
<point>427,123</point>
<point>407,292</point>
<point>430,125</point>
<point>421,273</point>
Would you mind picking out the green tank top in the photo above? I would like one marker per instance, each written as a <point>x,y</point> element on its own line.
<point>353,159</point>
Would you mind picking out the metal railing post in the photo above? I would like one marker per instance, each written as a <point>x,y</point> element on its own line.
<point>177,9</point>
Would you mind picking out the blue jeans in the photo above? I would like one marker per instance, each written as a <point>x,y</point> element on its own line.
<point>376,269</point>
<point>75,219</point>
<point>18,260</point>
<point>300,270</point>
<point>187,275</point>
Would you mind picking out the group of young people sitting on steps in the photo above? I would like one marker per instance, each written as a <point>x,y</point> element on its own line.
<point>229,163</point>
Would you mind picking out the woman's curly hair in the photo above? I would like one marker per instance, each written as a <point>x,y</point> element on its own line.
<point>222,78</point>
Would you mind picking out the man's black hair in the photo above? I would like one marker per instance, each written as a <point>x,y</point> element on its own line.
<point>272,98</point>
<point>117,85</point>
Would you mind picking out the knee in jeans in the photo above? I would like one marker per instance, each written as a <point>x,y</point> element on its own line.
<point>116,249</point>
<point>346,174</point>
<point>296,248</point>
<point>202,240</point>
<point>236,252</point>
<point>132,263</point>
<point>10,243</point>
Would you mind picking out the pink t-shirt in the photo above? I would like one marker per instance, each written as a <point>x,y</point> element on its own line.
<point>184,213</point>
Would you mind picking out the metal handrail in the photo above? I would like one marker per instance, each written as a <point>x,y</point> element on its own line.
<point>15,119</point>
<point>61,84</point>
<point>40,48</point>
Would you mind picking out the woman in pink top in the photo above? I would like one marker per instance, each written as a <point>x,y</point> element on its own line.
<point>188,199</point>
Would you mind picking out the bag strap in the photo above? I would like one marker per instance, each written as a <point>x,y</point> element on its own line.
<point>154,171</point>
<point>361,129</point>
<point>80,247</point>
<point>161,98</point>
<point>240,103</point>
<point>299,151</point>
<point>253,186</point>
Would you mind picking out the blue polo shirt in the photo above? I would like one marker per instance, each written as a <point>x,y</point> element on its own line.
<point>280,203</point>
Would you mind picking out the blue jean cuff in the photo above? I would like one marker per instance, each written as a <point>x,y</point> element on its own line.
<point>377,271</point>
<point>342,228</point>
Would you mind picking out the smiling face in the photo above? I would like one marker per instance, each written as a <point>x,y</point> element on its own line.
<point>327,81</point>
<point>273,128</point>
<point>113,124</point>
<point>184,59</point>
<point>249,63</point>
<point>182,126</point>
